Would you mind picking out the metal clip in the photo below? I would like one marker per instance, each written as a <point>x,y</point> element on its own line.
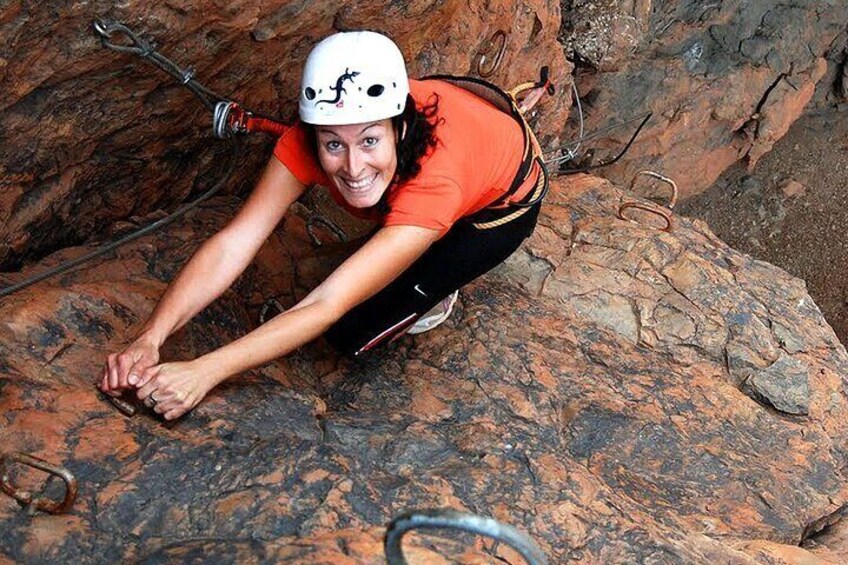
<point>229,118</point>
<point>495,49</point>
<point>26,498</point>
<point>188,75</point>
<point>126,408</point>
<point>103,28</point>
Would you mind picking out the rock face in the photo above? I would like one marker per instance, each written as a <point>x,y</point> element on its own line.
<point>724,80</point>
<point>90,136</point>
<point>620,393</point>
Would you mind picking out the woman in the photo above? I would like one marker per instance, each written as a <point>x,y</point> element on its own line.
<point>443,171</point>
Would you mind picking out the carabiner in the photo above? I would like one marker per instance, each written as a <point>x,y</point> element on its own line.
<point>228,119</point>
<point>26,498</point>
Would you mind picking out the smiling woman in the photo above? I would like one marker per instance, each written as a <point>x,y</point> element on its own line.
<point>359,159</point>
<point>453,181</point>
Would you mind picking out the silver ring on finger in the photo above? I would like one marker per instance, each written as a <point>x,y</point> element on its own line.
<point>151,401</point>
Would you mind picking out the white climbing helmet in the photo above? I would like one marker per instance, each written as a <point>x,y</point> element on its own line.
<point>352,78</point>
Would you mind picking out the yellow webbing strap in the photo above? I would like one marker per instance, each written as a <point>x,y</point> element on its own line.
<point>537,191</point>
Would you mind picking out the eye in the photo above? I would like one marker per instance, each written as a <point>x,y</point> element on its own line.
<point>333,146</point>
<point>370,141</point>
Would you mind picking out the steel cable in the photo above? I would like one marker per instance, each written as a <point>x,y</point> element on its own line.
<point>146,50</point>
<point>68,265</point>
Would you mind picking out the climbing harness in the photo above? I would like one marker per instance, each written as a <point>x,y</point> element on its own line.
<point>505,102</point>
<point>490,58</point>
<point>664,212</point>
<point>26,498</point>
<point>452,519</point>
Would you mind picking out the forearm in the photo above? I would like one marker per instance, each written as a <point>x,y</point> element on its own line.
<point>210,271</point>
<point>275,338</point>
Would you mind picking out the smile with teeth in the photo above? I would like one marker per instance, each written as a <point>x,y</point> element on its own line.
<point>362,184</point>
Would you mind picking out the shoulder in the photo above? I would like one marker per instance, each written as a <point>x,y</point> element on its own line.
<point>295,150</point>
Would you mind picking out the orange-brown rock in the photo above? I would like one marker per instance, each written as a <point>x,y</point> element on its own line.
<point>724,80</point>
<point>595,392</point>
<point>91,136</point>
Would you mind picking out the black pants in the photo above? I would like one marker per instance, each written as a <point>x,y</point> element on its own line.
<point>462,255</point>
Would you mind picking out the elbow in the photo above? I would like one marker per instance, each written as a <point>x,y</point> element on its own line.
<point>326,310</point>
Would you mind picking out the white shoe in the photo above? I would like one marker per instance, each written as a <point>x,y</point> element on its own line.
<point>438,314</point>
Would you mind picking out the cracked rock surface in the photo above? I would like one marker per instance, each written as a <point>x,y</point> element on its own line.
<point>591,392</point>
<point>724,79</point>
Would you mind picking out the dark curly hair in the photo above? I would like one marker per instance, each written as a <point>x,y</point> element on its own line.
<point>418,126</point>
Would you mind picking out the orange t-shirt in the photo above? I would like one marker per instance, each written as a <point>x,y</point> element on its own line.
<point>476,158</point>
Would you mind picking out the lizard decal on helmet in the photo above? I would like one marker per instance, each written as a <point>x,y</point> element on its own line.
<point>339,88</point>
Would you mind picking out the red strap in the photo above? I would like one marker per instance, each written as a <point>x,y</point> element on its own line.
<point>266,126</point>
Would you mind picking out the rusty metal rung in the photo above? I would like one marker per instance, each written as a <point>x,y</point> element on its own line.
<point>496,47</point>
<point>674,192</point>
<point>333,227</point>
<point>652,208</point>
<point>126,408</point>
<point>26,498</point>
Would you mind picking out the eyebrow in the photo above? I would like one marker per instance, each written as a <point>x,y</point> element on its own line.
<point>363,130</point>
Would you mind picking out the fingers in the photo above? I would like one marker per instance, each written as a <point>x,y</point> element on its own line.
<point>144,376</point>
<point>110,382</point>
<point>118,369</point>
<point>169,402</point>
<point>144,360</point>
<point>146,383</point>
<point>124,369</point>
<point>103,384</point>
<point>125,361</point>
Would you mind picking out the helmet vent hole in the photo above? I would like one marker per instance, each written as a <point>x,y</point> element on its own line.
<point>309,93</point>
<point>376,90</point>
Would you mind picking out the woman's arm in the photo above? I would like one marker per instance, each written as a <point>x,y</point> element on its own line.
<point>178,387</point>
<point>211,270</point>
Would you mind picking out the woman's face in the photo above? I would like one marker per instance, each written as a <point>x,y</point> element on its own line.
<point>360,159</point>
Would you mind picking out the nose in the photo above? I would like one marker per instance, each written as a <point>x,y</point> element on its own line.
<point>354,163</point>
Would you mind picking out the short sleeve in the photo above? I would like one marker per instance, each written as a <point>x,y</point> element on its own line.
<point>436,205</point>
<point>294,151</point>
